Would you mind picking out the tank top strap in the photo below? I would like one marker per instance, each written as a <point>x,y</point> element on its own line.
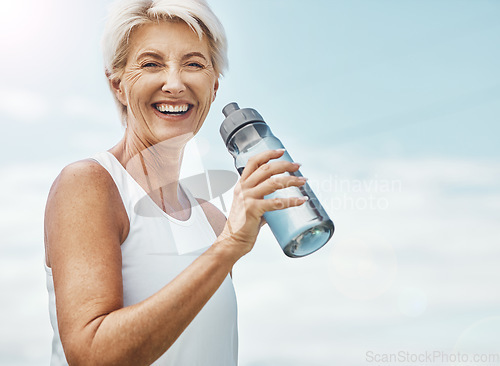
<point>130,191</point>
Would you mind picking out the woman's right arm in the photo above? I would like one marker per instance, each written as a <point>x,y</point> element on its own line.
<point>85,225</point>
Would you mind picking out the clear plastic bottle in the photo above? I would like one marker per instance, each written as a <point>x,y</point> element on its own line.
<point>299,230</point>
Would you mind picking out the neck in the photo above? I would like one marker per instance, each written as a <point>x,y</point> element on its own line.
<point>156,168</point>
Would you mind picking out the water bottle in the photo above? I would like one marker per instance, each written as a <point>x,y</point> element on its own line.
<point>299,230</point>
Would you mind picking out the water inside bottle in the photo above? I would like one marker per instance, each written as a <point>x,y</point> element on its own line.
<point>310,240</point>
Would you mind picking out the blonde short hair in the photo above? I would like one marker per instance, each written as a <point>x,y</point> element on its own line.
<point>126,15</point>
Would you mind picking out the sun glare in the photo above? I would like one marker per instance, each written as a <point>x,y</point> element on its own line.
<point>20,21</point>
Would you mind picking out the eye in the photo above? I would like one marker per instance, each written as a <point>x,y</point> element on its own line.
<point>150,65</point>
<point>195,65</point>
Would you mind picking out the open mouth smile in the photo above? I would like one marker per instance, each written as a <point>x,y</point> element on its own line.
<point>172,110</point>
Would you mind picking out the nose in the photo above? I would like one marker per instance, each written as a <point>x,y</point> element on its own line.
<point>173,83</point>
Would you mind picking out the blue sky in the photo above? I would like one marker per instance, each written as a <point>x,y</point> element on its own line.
<point>393,107</point>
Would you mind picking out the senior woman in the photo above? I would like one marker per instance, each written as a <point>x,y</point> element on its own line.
<point>138,270</point>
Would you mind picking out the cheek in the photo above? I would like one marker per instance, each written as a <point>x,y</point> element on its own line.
<point>139,88</point>
<point>137,83</point>
<point>205,95</point>
<point>136,87</point>
<point>203,84</point>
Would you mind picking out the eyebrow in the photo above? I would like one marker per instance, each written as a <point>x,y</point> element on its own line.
<point>150,54</point>
<point>193,54</point>
<point>159,56</point>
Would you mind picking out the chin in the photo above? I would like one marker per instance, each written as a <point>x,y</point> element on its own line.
<point>179,138</point>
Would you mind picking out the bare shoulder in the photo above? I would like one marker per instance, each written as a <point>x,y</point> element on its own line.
<point>86,174</point>
<point>83,197</point>
<point>83,182</point>
<point>215,217</point>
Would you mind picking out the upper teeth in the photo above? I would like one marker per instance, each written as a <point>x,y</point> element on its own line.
<point>172,108</point>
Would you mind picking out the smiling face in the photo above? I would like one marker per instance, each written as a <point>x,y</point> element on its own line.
<point>168,83</point>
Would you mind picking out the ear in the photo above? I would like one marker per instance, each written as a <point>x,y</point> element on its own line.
<point>117,88</point>
<point>216,87</point>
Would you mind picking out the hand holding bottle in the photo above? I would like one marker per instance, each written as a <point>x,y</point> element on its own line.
<point>262,176</point>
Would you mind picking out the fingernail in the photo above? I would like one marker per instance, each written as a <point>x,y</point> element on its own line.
<point>304,199</point>
<point>280,150</point>
<point>298,164</point>
<point>303,179</point>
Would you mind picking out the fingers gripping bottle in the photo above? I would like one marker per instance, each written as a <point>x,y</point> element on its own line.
<point>299,230</point>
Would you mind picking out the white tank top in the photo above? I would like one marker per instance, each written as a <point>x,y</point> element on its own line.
<point>158,247</point>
